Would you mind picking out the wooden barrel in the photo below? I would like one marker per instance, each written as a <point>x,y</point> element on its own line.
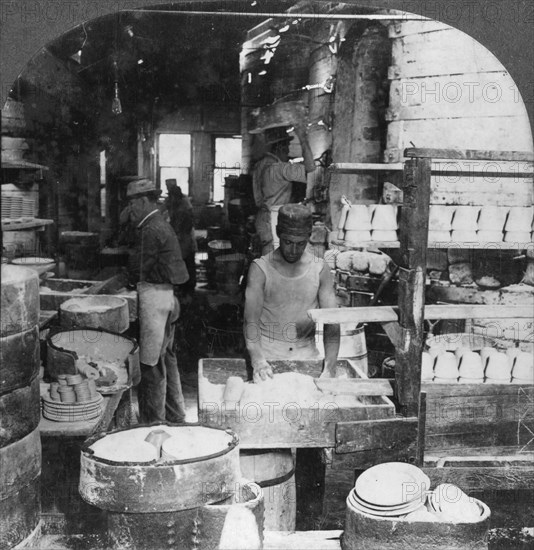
<point>274,471</point>
<point>234,523</point>
<point>172,485</point>
<point>106,312</point>
<point>20,444</point>
<point>374,533</point>
<point>20,498</point>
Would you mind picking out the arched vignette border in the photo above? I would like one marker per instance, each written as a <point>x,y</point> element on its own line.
<point>504,27</point>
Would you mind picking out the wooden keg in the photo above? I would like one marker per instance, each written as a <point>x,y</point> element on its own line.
<point>274,471</point>
<point>106,312</point>
<point>236,522</point>
<point>20,497</point>
<point>20,444</point>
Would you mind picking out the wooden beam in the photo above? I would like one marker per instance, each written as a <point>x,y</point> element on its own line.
<point>390,434</point>
<point>469,154</point>
<point>386,314</point>
<point>413,232</point>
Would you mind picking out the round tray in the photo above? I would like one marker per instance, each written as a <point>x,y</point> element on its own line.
<point>95,401</point>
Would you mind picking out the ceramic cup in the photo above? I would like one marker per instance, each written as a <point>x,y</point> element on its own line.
<point>498,368</point>
<point>358,218</point>
<point>465,218</point>
<point>524,366</point>
<point>357,236</point>
<point>440,217</point>
<point>446,366</point>
<point>492,218</point>
<point>384,236</point>
<point>519,219</point>
<point>384,217</point>
<point>471,365</point>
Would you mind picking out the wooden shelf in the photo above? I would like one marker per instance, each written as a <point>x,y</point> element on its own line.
<point>385,314</point>
<point>440,245</point>
<point>24,223</point>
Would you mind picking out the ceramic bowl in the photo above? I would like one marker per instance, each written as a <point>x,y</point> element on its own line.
<point>521,237</point>
<point>358,218</point>
<point>519,219</point>
<point>471,365</point>
<point>440,217</point>
<point>523,366</point>
<point>485,352</point>
<point>384,236</point>
<point>384,217</point>
<point>41,265</point>
<point>446,365</point>
<point>465,218</point>
<point>488,236</point>
<point>343,216</point>
<point>498,367</point>
<point>427,366</point>
<point>439,236</point>
<point>492,218</point>
<point>356,237</point>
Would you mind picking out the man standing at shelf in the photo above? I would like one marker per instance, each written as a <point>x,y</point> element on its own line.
<point>157,268</point>
<point>273,178</point>
<point>282,286</point>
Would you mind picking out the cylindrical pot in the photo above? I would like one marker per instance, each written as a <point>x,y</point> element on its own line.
<point>19,357</point>
<point>107,312</point>
<point>237,522</point>
<point>166,485</point>
<point>19,300</point>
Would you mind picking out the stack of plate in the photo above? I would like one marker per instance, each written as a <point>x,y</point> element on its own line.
<point>389,490</point>
<point>72,412</point>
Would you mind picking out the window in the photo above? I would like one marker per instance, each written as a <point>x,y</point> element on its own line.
<point>174,160</point>
<point>227,162</point>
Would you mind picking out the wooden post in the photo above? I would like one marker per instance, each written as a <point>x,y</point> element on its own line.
<point>413,246</point>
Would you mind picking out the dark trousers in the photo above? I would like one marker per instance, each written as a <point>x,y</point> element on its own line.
<point>160,390</point>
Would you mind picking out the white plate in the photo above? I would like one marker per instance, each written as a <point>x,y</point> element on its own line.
<point>385,513</point>
<point>391,483</point>
<point>378,508</point>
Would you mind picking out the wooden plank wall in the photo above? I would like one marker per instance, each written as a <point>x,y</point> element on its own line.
<point>448,91</point>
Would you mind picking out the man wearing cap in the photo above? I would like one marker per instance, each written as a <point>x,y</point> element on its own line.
<point>157,268</point>
<point>282,286</point>
<point>273,178</point>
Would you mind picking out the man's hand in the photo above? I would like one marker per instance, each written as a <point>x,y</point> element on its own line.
<point>262,371</point>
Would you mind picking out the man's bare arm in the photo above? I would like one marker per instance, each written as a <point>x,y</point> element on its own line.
<point>327,299</point>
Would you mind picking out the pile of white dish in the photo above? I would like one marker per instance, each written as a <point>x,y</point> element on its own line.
<point>470,367</point>
<point>480,224</point>
<point>400,491</point>
<point>362,223</point>
<point>358,261</point>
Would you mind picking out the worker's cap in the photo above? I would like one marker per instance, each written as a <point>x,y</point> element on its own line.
<point>294,219</point>
<point>276,135</point>
<point>142,187</point>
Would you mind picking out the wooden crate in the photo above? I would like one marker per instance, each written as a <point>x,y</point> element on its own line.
<point>283,425</point>
<point>478,415</point>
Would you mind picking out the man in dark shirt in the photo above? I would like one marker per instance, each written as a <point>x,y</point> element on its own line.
<point>157,268</point>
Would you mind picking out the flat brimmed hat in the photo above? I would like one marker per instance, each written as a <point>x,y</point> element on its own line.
<point>276,135</point>
<point>294,219</point>
<point>141,188</point>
